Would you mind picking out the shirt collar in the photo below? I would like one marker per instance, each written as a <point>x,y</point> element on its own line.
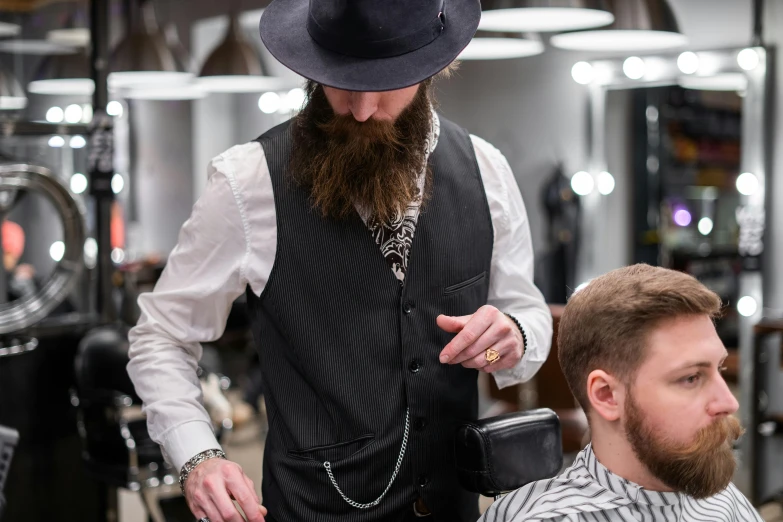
<point>622,487</point>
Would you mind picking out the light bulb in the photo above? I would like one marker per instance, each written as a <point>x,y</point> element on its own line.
<point>582,73</point>
<point>747,306</point>
<point>78,183</point>
<point>634,67</point>
<point>57,251</point>
<point>747,184</point>
<point>117,183</point>
<point>55,115</point>
<point>688,62</point>
<point>582,183</point>
<point>269,102</point>
<point>605,183</point>
<point>73,113</point>
<point>705,226</point>
<point>114,108</point>
<point>748,59</point>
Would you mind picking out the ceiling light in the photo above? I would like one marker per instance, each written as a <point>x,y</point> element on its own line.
<point>582,73</point>
<point>543,15</point>
<point>639,25</point>
<point>12,96</point>
<point>35,47</point>
<point>78,142</point>
<point>235,65</point>
<point>63,74</point>
<point>497,46</point>
<point>688,62</point>
<point>144,58</point>
<point>74,37</point>
<point>166,92</point>
<point>634,67</point>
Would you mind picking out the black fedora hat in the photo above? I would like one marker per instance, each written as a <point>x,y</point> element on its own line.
<point>368,45</point>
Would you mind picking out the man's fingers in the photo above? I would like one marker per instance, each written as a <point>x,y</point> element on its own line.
<point>492,335</point>
<point>252,488</point>
<point>245,497</point>
<point>469,334</point>
<point>452,324</point>
<point>224,510</point>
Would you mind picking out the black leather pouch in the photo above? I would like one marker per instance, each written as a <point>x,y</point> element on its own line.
<point>500,454</point>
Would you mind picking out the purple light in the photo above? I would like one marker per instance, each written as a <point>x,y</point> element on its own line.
<point>682,217</point>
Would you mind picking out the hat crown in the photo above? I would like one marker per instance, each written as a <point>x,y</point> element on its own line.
<point>375,28</point>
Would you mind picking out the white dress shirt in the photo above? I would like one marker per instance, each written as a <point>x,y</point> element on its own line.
<point>229,243</point>
<point>589,492</point>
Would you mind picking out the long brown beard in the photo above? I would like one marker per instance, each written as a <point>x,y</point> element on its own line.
<point>700,469</point>
<point>373,164</point>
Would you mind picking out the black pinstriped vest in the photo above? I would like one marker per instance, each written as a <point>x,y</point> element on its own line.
<point>345,349</point>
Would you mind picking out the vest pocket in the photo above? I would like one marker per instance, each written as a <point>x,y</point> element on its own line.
<point>464,284</point>
<point>334,452</point>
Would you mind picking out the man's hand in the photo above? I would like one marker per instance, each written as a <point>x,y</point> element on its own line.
<point>213,485</point>
<point>487,328</point>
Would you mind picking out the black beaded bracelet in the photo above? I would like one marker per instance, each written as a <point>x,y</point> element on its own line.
<point>522,330</point>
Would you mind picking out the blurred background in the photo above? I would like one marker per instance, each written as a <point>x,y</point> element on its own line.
<point>637,130</point>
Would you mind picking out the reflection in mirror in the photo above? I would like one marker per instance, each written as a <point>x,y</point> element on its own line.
<point>32,242</point>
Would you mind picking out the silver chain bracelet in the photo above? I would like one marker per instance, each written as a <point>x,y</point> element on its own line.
<point>377,501</point>
<point>195,461</point>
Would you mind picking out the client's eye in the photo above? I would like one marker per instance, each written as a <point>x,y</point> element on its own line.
<point>691,379</point>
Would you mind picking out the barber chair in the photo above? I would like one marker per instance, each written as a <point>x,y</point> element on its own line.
<point>117,449</point>
<point>500,454</point>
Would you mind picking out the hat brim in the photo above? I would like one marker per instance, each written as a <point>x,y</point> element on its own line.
<point>284,32</point>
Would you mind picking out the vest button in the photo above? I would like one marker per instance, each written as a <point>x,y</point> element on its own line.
<point>423,480</point>
<point>420,423</point>
<point>406,307</point>
<point>415,366</point>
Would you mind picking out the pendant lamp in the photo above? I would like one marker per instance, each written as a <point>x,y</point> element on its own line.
<point>235,65</point>
<point>67,74</point>
<point>143,58</point>
<point>543,15</point>
<point>487,45</point>
<point>639,25</point>
<point>12,96</point>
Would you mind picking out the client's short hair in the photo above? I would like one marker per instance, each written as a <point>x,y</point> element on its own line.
<point>605,325</point>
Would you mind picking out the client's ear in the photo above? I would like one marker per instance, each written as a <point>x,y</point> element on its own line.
<point>605,394</point>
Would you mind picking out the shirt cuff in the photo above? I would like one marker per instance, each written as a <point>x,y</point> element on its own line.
<point>188,440</point>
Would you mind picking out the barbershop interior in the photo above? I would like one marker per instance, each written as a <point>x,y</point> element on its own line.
<point>636,131</point>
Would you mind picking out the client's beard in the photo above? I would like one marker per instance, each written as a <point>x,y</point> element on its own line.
<point>700,469</point>
<point>373,164</point>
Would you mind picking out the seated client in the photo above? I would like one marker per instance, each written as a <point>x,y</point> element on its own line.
<point>640,352</point>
